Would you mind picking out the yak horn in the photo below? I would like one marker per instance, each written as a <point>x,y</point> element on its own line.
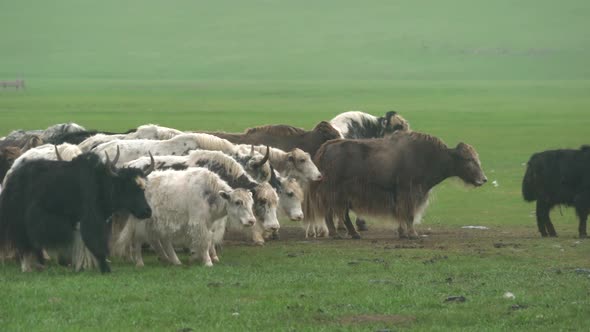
<point>266,156</point>
<point>57,153</point>
<point>152,165</point>
<point>116,156</point>
<point>110,166</point>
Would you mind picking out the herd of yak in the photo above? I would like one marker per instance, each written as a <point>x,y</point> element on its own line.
<point>171,189</point>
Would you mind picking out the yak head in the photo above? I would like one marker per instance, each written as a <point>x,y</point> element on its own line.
<point>467,165</point>
<point>392,122</point>
<point>300,166</point>
<point>258,165</point>
<point>291,198</point>
<point>239,206</point>
<point>128,187</point>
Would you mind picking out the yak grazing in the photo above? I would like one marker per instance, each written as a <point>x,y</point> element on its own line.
<point>44,200</point>
<point>391,176</point>
<point>558,177</point>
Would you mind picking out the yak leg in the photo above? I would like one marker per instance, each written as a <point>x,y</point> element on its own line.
<point>39,254</point>
<point>26,262</point>
<point>95,236</point>
<point>213,253</point>
<point>258,234</point>
<point>160,250</point>
<point>136,254</point>
<point>169,250</point>
<point>542,217</point>
<point>582,212</point>
<point>583,215</point>
<point>412,234</point>
<point>340,225</point>
<point>402,229</point>
<point>349,226</point>
<point>201,241</point>
<point>329,219</point>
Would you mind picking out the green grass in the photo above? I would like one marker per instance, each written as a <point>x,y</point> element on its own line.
<point>509,78</point>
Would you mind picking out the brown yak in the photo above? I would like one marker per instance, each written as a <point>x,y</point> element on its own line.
<point>391,177</point>
<point>285,137</point>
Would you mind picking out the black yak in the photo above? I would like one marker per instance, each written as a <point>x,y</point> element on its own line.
<point>44,200</point>
<point>558,177</point>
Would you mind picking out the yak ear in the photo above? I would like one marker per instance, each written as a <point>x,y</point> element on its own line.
<point>458,151</point>
<point>224,195</point>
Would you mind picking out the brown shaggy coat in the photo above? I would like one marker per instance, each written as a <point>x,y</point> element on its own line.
<point>285,137</point>
<point>391,176</point>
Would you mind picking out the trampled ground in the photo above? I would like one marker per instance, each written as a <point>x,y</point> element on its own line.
<point>375,283</point>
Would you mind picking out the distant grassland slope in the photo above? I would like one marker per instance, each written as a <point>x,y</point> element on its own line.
<point>295,40</point>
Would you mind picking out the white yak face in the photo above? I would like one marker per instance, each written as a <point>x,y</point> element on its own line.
<point>302,167</point>
<point>291,198</point>
<point>239,206</point>
<point>266,202</point>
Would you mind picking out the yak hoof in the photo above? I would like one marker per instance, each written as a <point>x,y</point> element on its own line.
<point>552,235</point>
<point>336,237</point>
<point>356,236</point>
<point>583,236</point>
<point>259,243</point>
<point>361,225</point>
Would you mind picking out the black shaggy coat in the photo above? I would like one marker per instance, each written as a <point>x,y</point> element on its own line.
<point>44,200</point>
<point>558,177</point>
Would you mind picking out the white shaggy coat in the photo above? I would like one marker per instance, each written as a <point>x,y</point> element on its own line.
<point>185,204</point>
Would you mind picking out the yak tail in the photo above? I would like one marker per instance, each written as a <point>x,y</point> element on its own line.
<point>528,184</point>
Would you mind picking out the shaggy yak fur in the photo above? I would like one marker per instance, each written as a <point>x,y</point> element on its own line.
<point>391,177</point>
<point>559,177</point>
<point>44,200</point>
<point>358,125</point>
<point>285,137</point>
<point>265,198</point>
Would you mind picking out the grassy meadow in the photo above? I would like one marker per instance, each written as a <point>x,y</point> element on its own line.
<point>509,78</point>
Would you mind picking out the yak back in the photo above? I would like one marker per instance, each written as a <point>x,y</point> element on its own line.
<point>285,137</point>
<point>78,137</point>
<point>557,176</point>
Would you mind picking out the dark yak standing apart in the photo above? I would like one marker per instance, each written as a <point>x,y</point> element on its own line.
<point>559,177</point>
<point>284,137</point>
<point>44,200</point>
<point>390,176</point>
